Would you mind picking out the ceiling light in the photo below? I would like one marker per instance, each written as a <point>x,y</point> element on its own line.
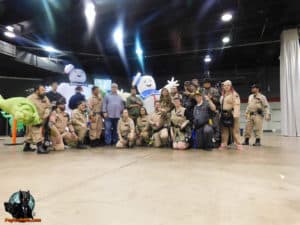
<point>139,51</point>
<point>226,39</point>
<point>49,49</point>
<point>118,36</point>
<point>10,28</point>
<point>90,13</point>
<point>9,34</point>
<point>226,17</point>
<point>207,59</point>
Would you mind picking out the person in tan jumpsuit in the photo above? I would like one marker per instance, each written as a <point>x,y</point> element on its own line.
<point>166,101</point>
<point>79,122</point>
<point>143,129</point>
<point>126,131</point>
<point>95,107</point>
<point>61,128</point>
<point>179,124</point>
<point>231,103</point>
<point>34,133</point>
<point>257,109</point>
<point>159,123</point>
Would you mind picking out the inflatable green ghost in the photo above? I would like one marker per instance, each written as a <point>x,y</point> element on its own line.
<point>21,109</point>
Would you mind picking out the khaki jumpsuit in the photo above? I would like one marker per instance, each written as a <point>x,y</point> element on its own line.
<point>258,106</point>
<point>126,133</point>
<point>95,106</point>
<point>143,130</point>
<point>159,121</point>
<point>177,120</point>
<point>62,130</point>
<point>231,102</point>
<point>79,122</point>
<point>34,133</point>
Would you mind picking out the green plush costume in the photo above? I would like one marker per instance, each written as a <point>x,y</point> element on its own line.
<point>21,109</point>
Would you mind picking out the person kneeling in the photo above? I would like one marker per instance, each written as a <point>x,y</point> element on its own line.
<point>79,122</point>
<point>180,131</point>
<point>143,128</point>
<point>61,129</point>
<point>159,123</point>
<point>204,131</point>
<point>126,131</point>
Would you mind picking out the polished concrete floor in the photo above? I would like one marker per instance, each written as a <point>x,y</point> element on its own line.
<point>256,186</point>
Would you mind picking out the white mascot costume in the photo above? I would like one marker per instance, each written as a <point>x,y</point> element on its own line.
<point>146,87</point>
<point>77,77</point>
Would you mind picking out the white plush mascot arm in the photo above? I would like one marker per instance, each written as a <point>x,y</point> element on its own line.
<point>171,83</point>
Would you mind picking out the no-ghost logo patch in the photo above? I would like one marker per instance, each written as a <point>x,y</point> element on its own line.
<point>20,205</point>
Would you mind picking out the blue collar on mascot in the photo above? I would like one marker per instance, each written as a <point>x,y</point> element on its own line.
<point>149,92</point>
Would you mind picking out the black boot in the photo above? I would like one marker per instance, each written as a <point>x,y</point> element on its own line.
<point>27,148</point>
<point>80,145</point>
<point>41,149</point>
<point>257,142</point>
<point>93,143</point>
<point>246,141</point>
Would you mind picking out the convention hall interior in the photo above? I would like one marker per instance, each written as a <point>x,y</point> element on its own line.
<point>238,167</point>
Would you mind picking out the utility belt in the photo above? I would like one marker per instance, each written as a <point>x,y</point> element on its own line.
<point>159,129</point>
<point>258,112</point>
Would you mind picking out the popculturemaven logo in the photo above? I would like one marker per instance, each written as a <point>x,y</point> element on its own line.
<point>20,205</point>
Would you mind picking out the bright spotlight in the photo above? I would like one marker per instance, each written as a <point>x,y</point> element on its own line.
<point>139,51</point>
<point>226,17</point>
<point>9,34</point>
<point>49,49</point>
<point>90,13</point>
<point>118,36</point>
<point>207,59</point>
<point>10,28</point>
<point>226,39</point>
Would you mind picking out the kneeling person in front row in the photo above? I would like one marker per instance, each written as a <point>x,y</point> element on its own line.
<point>126,131</point>
<point>204,131</point>
<point>62,131</point>
<point>159,123</point>
<point>143,131</point>
<point>180,130</point>
<point>79,122</point>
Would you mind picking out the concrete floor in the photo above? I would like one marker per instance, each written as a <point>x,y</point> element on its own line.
<point>159,187</point>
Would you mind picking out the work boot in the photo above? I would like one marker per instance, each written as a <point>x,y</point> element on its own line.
<point>246,141</point>
<point>27,148</point>
<point>93,143</point>
<point>257,142</point>
<point>41,149</point>
<point>80,145</point>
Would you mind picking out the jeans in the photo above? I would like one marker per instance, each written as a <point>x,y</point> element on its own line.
<point>204,137</point>
<point>111,133</point>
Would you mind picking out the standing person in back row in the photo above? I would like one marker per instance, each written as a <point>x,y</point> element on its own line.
<point>113,105</point>
<point>230,115</point>
<point>53,95</point>
<point>95,108</point>
<point>258,108</point>
<point>76,98</point>
<point>34,133</point>
<point>133,104</point>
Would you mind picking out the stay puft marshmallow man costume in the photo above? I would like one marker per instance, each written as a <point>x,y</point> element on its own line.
<point>146,87</point>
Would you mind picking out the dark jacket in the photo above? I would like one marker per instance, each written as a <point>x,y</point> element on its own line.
<point>201,115</point>
<point>75,99</point>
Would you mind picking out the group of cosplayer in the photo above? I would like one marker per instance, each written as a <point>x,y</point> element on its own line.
<point>199,116</point>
